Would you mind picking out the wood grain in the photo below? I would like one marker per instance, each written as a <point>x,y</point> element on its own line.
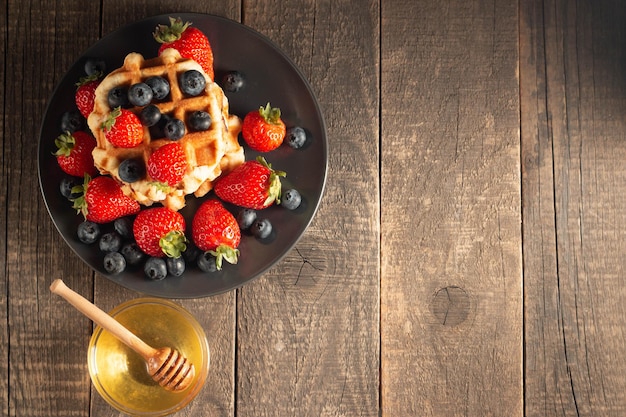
<point>4,279</point>
<point>47,373</point>
<point>308,329</point>
<point>451,280</point>
<point>573,104</point>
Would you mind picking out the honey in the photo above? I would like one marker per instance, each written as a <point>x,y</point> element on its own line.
<point>120,375</point>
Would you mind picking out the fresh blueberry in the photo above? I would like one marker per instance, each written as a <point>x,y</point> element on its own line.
<point>261,228</point>
<point>118,97</point>
<point>94,66</point>
<point>140,94</point>
<point>191,252</point>
<point>131,170</point>
<point>150,115</point>
<point>124,227</point>
<point>206,262</point>
<point>71,121</point>
<point>291,199</point>
<point>114,263</point>
<point>200,120</point>
<point>174,129</point>
<point>160,87</point>
<point>233,81</point>
<point>132,253</point>
<point>66,186</point>
<point>158,130</point>
<point>245,218</point>
<point>192,82</point>
<point>110,242</point>
<point>296,137</point>
<point>155,268</point>
<point>88,232</point>
<point>175,266</point>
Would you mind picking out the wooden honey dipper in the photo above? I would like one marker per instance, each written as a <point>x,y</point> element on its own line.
<point>167,366</point>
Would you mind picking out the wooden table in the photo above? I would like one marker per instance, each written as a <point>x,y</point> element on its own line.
<point>467,258</point>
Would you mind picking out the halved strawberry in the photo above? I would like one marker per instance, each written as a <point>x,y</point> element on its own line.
<point>190,42</point>
<point>103,201</point>
<point>253,184</point>
<point>214,229</point>
<point>74,153</point>
<point>263,129</point>
<point>168,164</point>
<point>123,128</point>
<point>86,93</point>
<point>160,232</point>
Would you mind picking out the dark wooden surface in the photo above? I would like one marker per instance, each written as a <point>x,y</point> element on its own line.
<point>467,258</point>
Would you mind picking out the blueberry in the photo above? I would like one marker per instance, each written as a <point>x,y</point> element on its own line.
<point>206,262</point>
<point>118,97</point>
<point>132,253</point>
<point>94,66</point>
<point>191,252</point>
<point>175,266</point>
<point>160,87</point>
<point>140,94</point>
<point>71,121</point>
<point>124,227</point>
<point>131,170</point>
<point>155,268</point>
<point>114,263</point>
<point>233,81</point>
<point>192,82</point>
<point>296,137</point>
<point>245,218</point>
<point>174,129</point>
<point>200,120</point>
<point>150,115</point>
<point>66,186</point>
<point>88,232</point>
<point>291,199</point>
<point>110,242</point>
<point>261,228</point>
<point>158,130</point>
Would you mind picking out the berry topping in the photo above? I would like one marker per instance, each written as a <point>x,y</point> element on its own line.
<point>88,232</point>
<point>118,97</point>
<point>168,164</point>
<point>132,253</point>
<point>261,228</point>
<point>174,129</point>
<point>291,199</point>
<point>175,266</point>
<point>296,137</point>
<point>233,81</point>
<point>263,129</point>
<point>132,170</point>
<point>74,153</point>
<point>110,242</point>
<point>123,128</point>
<point>150,115</point>
<point>140,94</point>
<point>155,268</point>
<point>215,229</point>
<point>245,218</point>
<point>95,66</point>
<point>159,231</point>
<point>200,120</point>
<point>160,87</point>
<point>72,121</point>
<point>114,263</point>
<point>192,82</point>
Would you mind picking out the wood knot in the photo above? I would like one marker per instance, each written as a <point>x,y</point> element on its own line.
<point>450,305</point>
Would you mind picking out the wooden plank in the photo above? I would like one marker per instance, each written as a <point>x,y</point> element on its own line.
<point>4,283</point>
<point>451,274</point>
<point>215,314</point>
<point>46,353</point>
<point>308,329</point>
<point>573,101</point>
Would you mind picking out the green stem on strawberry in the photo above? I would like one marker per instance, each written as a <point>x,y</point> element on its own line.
<point>80,204</point>
<point>225,252</point>
<point>171,33</point>
<point>275,188</point>
<point>173,244</point>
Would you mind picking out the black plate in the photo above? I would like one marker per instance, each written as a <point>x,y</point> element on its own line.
<point>270,76</point>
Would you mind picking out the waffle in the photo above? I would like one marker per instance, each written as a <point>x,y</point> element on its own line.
<point>209,153</point>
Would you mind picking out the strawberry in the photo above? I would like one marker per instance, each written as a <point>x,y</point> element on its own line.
<point>190,42</point>
<point>86,93</point>
<point>253,184</point>
<point>168,164</point>
<point>214,229</point>
<point>123,128</point>
<point>74,153</point>
<point>103,201</point>
<point>160,231</point>
<point>263,130</point>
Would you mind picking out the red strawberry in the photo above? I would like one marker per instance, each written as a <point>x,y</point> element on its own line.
<point>160,231</point>
<point>263,130</point>
<point>123,128</point>
<point>103,200</point>
<point>86,94</point>
<point>74,153</point>
<point>253,184</point>
<point>214,229</point>
<point>190,42</point>
<point>168,164</point>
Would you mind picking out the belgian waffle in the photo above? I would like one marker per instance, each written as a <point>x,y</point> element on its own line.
<point>209,153</point>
